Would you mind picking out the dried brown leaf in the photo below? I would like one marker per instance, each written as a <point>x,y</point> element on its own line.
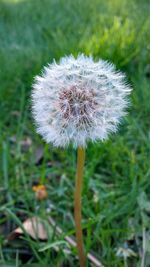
<point>33,227</point>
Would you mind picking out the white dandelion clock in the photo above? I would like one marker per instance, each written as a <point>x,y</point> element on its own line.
<point>78,100</point>
<point>74,102</point>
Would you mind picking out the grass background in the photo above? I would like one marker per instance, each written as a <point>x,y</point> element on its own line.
<point>116,199</point>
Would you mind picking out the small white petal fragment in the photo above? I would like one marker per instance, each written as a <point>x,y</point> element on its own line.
<point>78,100</point>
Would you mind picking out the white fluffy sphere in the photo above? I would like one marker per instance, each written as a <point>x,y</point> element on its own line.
<point>78,100</point>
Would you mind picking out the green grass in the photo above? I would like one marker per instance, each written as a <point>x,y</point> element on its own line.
<point>116,197</point>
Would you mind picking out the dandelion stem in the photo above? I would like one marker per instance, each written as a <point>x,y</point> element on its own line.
<point>77,205</point>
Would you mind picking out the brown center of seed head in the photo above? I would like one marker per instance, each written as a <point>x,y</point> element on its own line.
<point>76,105</point>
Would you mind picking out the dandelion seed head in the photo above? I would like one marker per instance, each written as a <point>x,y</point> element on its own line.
<point>78,100</point>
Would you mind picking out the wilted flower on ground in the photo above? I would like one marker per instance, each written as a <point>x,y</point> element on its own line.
<point>40,191</point>
<point>78,100</point>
